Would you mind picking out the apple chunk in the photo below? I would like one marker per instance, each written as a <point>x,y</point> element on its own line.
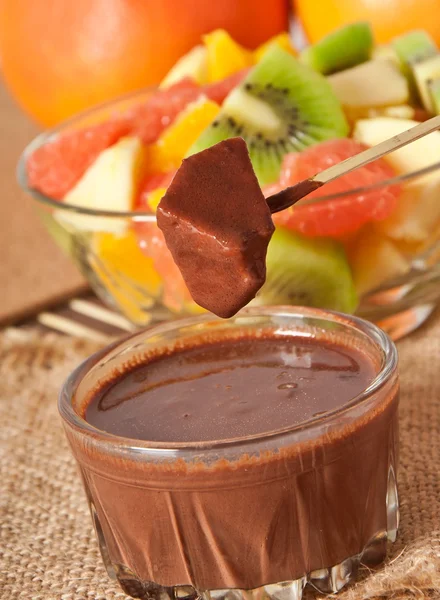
<point>417,213</point>
<point>373,84</point>
<point>110,183</point>
<point>418,209</point>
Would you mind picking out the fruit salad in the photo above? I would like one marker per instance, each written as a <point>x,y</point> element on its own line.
<point>358,244</point>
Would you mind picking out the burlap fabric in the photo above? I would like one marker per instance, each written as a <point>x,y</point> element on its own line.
<point>48,550</point>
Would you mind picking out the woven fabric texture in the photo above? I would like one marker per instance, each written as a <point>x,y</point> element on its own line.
<point>47,545</point>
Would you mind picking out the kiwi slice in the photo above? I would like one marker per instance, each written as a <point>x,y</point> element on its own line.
<point>343,48</point>
<point>411,49</point>
<point>282,106</point>
<point>307,271</point>
<point>413,46</point>
<point>425,73</point>
<point>434,92</point>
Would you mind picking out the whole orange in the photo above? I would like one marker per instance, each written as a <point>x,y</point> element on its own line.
<point>59,57</point>
<point>388,17</point>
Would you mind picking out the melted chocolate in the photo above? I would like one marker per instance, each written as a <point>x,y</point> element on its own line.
<point>230,390</point>
<point>217,225</point>
<point>242,520</point>
<point>291,195</point>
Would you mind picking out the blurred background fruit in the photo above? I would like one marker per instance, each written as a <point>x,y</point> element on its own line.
<point>388,17</point>
<point>61,57</point>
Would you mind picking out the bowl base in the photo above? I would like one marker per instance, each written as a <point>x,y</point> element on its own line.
<point>401,307</point>
<point>407,321</point>
<point>328,580</point>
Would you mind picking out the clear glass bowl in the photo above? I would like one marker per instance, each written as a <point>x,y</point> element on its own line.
<point>123,257</point>
<point>260,516</point>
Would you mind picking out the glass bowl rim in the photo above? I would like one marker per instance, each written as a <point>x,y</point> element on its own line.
<point>47,135</point>
<point>376,335</point>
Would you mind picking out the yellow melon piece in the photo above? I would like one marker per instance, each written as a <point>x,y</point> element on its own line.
<point>374,259</point>
<point>282,40</point>
<point>127,274</point>
<point>167,153</point>
<point>193,64</point>
<point>225,55</point>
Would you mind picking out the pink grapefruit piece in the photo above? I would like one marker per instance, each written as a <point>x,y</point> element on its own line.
<point>152,243</point>
<point>149,119</point>
<point>55,167</point>
<point>340,216</point>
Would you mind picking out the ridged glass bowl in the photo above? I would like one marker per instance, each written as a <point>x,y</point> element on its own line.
<point>123,257</point>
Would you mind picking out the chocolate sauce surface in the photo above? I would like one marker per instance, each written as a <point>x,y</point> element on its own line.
<point>230,389</point>
<point>217,226</point>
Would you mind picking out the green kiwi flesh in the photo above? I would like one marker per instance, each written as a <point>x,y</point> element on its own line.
<point>434,92</point>
<point>307,271</point>
<point>413,46</point>
<point>344,48</point>
<point>411,49</point>
<point>425,73</point>
<point>281,106</point>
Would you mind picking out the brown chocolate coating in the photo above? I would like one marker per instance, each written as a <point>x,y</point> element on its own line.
<point>217,225</point>
<point>230,389</point>
<point>291,195</point>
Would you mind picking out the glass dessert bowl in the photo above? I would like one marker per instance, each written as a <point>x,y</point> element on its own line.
<point>366,244</point>
<point>231,487</point>
<point>393,281</point>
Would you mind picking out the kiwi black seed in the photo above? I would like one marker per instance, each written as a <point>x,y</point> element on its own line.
<point>282,106</point>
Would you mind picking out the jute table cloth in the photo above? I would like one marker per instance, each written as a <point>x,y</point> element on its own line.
<point>47,545</point>
<point>34,273</point>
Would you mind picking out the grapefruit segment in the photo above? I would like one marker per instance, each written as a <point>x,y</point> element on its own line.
<point>57,166</point>
<point>149,119</point>
<point>152,243</point>
<point>340,216</point>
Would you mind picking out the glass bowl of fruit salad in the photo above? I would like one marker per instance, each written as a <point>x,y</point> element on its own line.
<point>366,243</point>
